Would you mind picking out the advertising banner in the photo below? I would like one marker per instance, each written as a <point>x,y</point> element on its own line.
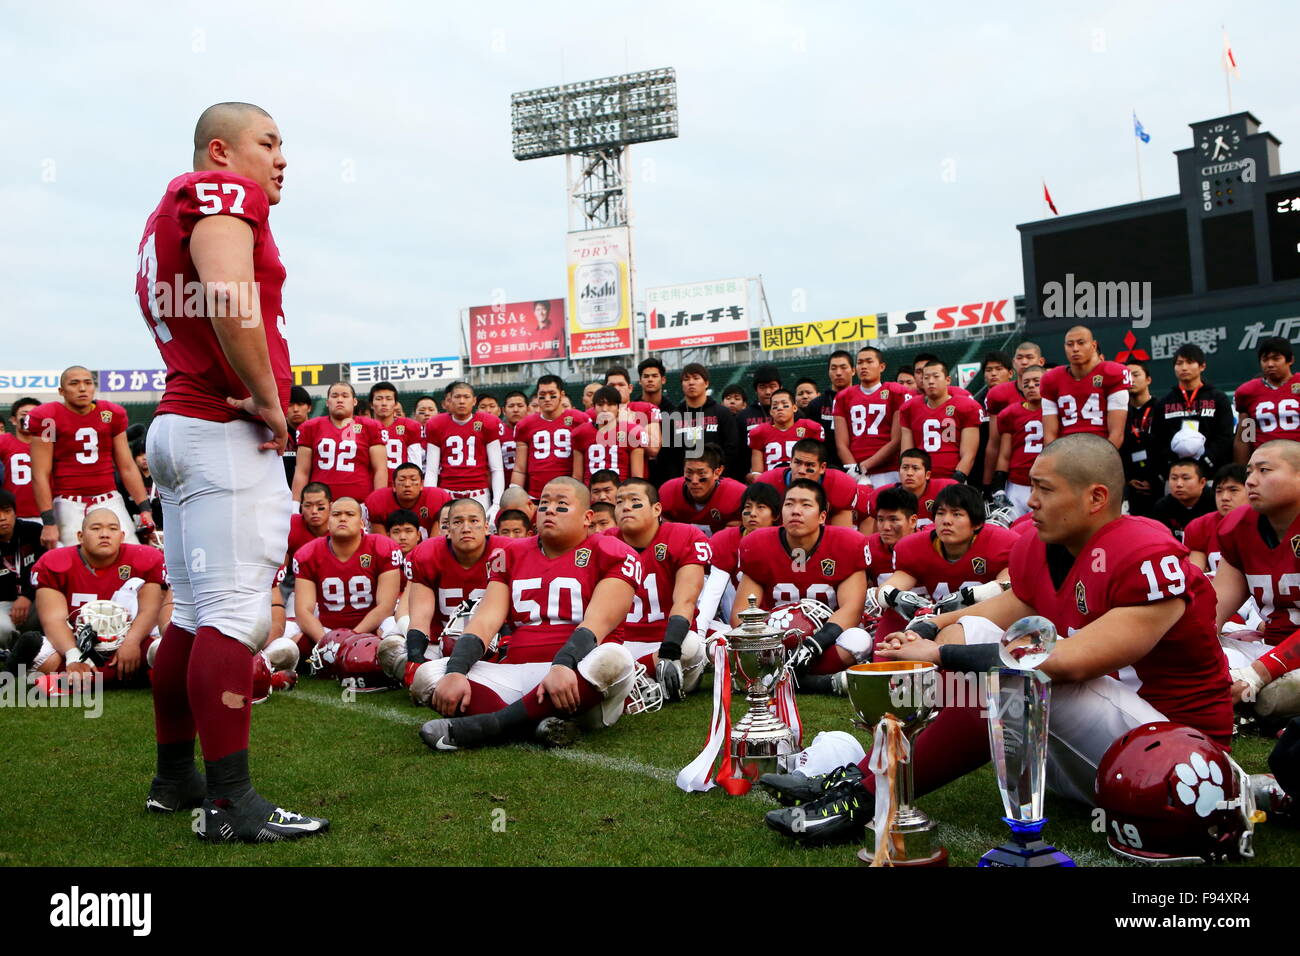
<point>515,332</point>
<point>802,335</point>
<point>972,315</point>
<point>325,374</point>
<point>398,371</point>
<point>600,293</point>
<point>698,313</point>
<point>133,380</point>
<point>14,380</point>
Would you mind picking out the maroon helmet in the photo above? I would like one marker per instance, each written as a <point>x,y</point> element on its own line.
<point>261,677</point>
<point>798,621</point>
<point>1170,794</point>
<point>324,656</point>
<point>357,665</point>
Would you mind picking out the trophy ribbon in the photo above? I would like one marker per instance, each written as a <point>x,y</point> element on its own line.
<point>889,747</point>
<point>787,707</point>
<point>697,776</point>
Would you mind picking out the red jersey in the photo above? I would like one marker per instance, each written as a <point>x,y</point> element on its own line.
<point>433,563</point>
<point>64,570</point>
<point>83,445</point>
<point>548,596</point>
<point>1271,567</point>
<point>924,501</point>
<point>507,448</point>
<point>725,546</point>
<point>937,577</point>
<point>300,534</point>
<point>340,455</point>
<point>766,559</point>
<point>674,546</point>
<point>345,590</point>
<point>462,449</point>
<point>777,444</point>
<point>610,449</point>
<point>1202,534</point>
<point>1275,409</point>
<point>880,561</point>
<point>382,502</point>
<point>720,509</point>
<point>841,490</point>
<point>1025,426</point>
<point>1185,676</point>
<point>16,459</point>
<point>550,448</point>
<point>646,414</point>
<point>937,431</point>
<point>1001,396</point>
<point>403,441</point>
<point>199,378</point>
<point>870,418</point>
<point>1081,404</point>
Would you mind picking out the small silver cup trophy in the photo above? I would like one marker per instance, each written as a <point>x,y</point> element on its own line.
<point>1018,698</point>
<point>905,692</point>
<point>757,659</point>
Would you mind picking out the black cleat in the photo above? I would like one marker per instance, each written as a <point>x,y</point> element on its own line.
<point>436,734</point>
<point>556,732</point>
<point>168,796</point>
<point>253,819</point>
<point>838,817</point>
<point>23,651</point>
<point>793,789</point>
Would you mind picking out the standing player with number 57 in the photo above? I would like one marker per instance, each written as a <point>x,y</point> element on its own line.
<point>214,451</point>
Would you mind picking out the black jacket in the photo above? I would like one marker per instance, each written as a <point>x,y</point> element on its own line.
<point>18,555</point>
<point>822,409</point>
<point>1210,409</point>
<point>1176,516</point>
<point>710,424</point>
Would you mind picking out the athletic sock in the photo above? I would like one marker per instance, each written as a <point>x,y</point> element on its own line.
<point>220,683</point>
<point>173,720</point>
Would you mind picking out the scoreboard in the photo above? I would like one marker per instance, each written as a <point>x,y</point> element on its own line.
<point>1231,234</point>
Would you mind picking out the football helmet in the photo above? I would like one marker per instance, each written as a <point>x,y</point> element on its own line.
<point>261,677</point>
<point>797,621</point>
<point>324,656</point>
<point>646,696</point>
<point>357,665</point>
<point>101,627</point>
<point>1171,795</point>
<point>455,627</point>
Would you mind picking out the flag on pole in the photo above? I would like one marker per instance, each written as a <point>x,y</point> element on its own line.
<point>1139,130</point>
<point>1047,197</point>
<point>1229,61</point>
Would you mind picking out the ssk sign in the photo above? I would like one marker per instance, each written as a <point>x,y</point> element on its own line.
<point>972,315</point>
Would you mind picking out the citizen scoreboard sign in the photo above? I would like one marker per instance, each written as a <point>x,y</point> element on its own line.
<point>696,314</point>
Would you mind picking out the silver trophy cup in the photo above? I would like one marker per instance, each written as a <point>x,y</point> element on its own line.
<point>757,659</point>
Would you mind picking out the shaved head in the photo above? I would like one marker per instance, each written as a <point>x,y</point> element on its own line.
<point>580,491</point>
<point>515,497</point>
<point>104,514</point>
<point>223,121</point>
<point>1284,448</point>
<point>1082,330</point>
<point>1084,460</point>
<point>63,379</point>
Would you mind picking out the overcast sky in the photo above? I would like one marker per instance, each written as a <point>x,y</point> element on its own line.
<point>862,160</point>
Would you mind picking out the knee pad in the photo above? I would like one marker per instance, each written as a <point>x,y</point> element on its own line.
<point>43,655</point>
<point>389,628</point>
<point>425,680</point>
<point>282,653</point>
<point>611,670</point>
<point>152,653</point>
<point>857,642</point>
<point>828,750</point>
<point>692,661</point>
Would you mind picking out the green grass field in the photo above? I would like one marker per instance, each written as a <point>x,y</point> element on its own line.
<point>72,794</point>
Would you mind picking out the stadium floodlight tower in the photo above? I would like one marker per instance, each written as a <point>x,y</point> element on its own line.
<point>593,125</point>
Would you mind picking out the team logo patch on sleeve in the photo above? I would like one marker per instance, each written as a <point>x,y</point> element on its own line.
<point>106,417</point>
<point>1295,388</point>
<point>424,512</point>
<point>478,426</point>
<point>124,572</point>
<point>950,409</point>
<point>979,565</point>
<point>401,429</point>
<point>356,428</point>
<point>661,551</point>
<point>1080,598</point>
<point>715,514</point>
<point>798,432</point>
<point>582,557</point>
<point>1096,381</point>
<point>365,560</point>
<point>1295,546</point>
<point>828,567</point>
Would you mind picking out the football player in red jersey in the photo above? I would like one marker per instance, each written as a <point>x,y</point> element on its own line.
<point>77,442</point>
<point>946,426</point>
<point>563,592</point>
<point>410,492</point>
<point>675,559</point>
<point>426,406</point>
<point>513,412</point>
<point>1020,426</point>
<point>771,442</point>
<point>513,523</point>
<point>954,564</point>
<point>347,579</point>
<point>1202,535</point>
<point>895,520</point>
<point>403,438</point>
<point>214,450</point>
<point>609,442</point>
<point>313,517</point>
<point>642,414</point>
<point>1089,395</point>
<point>760,507</point>
<point>16,462</point>
<point>341,449</point>
<point>808,460</point>
<point>1028,355</point>
<point>464,449</point>
<point>702,497</point>
<point>1268,407</point>
<point>914,476</point>
<point>544,442</point>
<point>867,428</point>
<point>101,567</point>
<point>806,559</point>
<point>1123,598</point>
